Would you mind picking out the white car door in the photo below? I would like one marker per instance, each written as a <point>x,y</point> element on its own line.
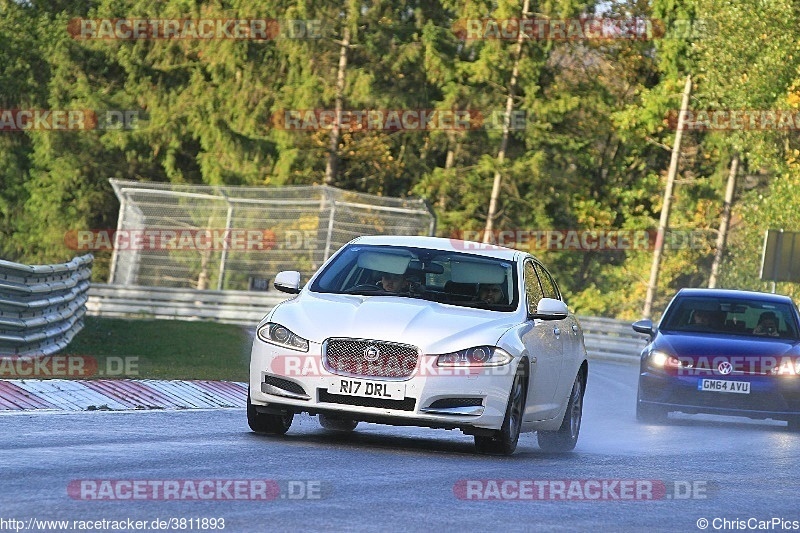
<point>543,340</point>
<point>570,335</point>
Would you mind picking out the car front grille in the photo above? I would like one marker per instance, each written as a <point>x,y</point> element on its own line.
<point>369,358</point>
<point>691,397</point>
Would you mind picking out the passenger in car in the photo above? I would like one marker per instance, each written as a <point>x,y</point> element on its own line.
<point>767,325</point>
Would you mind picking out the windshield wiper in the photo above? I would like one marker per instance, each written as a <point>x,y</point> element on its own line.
<point>365,289</point>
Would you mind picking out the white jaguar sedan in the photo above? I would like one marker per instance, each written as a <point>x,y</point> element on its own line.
<point>423,331</point>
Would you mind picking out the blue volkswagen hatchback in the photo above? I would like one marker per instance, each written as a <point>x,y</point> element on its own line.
<point>723,352</point>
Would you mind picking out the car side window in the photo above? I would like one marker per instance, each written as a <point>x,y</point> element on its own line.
<point>548,285</point>
<point>533,289</point>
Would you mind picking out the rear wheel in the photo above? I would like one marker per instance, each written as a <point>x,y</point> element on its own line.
<point>565,438</point>
<point>337,424</point>
<point>267,423</point>
<point>504,442</point>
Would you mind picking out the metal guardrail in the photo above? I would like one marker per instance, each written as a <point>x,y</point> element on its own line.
<point>42,306</point>
<point>606,338</point>
<point>244,308</point>
<point>611,339</point>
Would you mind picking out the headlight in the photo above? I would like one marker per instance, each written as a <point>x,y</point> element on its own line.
<point>276,334</point>
<point>658,359</point>
<point>478,356</point>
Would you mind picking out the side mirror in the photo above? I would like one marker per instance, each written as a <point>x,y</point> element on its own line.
<point>644,326</point>
<point>550,309</point>
<point>287,281</point>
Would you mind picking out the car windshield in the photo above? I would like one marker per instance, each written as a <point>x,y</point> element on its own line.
<point>740,316</point>
<point>448,277</point>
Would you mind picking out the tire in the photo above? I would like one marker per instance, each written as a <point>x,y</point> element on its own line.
<point>337,424</point>
<point>266,423</point>
<point>650,414</point>
<point>565,438</point>
<point>504,441</point>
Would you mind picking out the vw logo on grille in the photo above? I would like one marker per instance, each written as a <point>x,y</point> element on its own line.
<point>371,353</point>
<point>725,368</point>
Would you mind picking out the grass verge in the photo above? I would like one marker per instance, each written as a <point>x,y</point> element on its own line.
<point>164,349</point>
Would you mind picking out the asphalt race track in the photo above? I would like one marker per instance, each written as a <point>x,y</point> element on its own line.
<point>623,476</point>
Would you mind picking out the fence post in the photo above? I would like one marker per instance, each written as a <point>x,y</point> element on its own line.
<point>224,256</point>
<point>329,236</point>
<point>122,206</point>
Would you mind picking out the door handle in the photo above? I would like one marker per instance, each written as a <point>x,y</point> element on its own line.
<point>575,328</point>
<point>557,331</point>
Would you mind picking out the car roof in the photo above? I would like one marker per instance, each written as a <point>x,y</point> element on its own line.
<point>445,245</point>
<point>732,293</point>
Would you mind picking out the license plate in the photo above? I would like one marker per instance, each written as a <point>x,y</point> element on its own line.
<point>368,389</point>
<point>723,385</point>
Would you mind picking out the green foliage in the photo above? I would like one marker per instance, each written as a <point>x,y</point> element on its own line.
<point>591,154</point>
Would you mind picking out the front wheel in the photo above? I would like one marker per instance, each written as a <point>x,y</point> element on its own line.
<point>565,438</point>
<point>504,442</point>
<point>267,423</point>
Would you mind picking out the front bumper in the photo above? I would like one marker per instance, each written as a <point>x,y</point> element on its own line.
<point>473,400</point>
<point>775,397</point>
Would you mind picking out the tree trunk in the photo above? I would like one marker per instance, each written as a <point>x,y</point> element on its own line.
<point>331,167</point>
<point>663,222</point>
<point>501,154</point>
<point>724,222</point>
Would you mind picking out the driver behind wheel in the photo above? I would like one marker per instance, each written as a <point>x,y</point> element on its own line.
<point>395,283</point>
<point>490,293</point>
